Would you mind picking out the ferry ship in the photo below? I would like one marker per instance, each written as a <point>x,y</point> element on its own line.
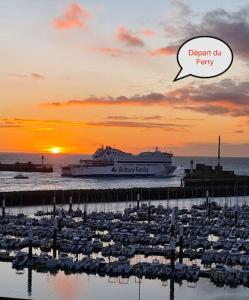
<point>113,162</point>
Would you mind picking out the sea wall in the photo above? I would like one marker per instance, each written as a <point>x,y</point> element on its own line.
<point>45,197</point>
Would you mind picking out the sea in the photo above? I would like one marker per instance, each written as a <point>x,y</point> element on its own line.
<point>29,284</point>
<point>52,181</point>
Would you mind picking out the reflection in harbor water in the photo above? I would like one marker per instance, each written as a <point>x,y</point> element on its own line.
<point>71,287</point>
<point>172,289</point>
<point>66,287</point>
<point>29,281</point>
<point>44,286</point>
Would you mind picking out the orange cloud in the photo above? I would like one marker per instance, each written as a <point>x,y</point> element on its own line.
<point>116,52</point>
<point>127,37</point>
<point>148,32</point>
<point>149,99</point>
<point>165,51</point>
<point>239,131</point>
<point>226,97</point>
<point>118,121</point>
<point>9,126</point>
<point>147,125</point>
<point>120,117</point>
<point>75,16</point>
<point>34,76</point>
<point>18,122</point>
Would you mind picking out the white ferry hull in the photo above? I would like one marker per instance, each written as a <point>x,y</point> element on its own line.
<point>131,170</point>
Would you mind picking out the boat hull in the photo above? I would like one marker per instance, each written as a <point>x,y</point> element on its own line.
<point>120,171</point>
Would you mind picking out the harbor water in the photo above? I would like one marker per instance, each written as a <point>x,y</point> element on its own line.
<point>90,287</point>
<point>51,181</point>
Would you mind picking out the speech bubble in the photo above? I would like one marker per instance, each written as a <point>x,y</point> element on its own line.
<point>203,57</point>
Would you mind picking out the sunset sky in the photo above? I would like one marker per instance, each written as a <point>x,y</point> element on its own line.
<point>78,75</point>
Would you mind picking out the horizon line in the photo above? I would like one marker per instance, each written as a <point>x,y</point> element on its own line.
<point>77,153</point>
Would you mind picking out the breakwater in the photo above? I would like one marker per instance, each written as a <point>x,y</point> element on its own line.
<point>46,197</point>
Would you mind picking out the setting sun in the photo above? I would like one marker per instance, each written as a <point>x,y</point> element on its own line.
<point>55,150</point>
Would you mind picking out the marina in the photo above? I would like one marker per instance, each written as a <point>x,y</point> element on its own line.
<point>207,240</point>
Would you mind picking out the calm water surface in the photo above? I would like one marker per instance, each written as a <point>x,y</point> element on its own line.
<point>45,286</point>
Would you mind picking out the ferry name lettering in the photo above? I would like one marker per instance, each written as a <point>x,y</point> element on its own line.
<point>133,170</point>
<point>142,170</point>
<point>126,170</point>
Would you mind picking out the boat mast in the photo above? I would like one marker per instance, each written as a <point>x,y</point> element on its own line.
<point>219,152</point>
